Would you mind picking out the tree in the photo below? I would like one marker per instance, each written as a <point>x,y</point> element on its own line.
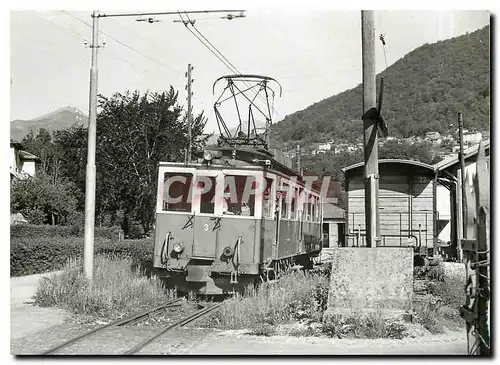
<point>43,146</point>
<point>135,132</point>
<point>40,195</point>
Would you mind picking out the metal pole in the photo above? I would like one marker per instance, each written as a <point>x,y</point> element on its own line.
<point>298,158</point>
<point>462,180</point>
<point>189,116</point>
<point>91,170</point>
<point>370,128</point>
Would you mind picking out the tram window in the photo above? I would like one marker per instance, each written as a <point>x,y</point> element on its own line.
<point>267,203</point>
<point>293,204</point>
<point>176,196</point>
<point>316,209</point>
<point>206,186</point>
<point>313,208</point>
<point>307,208</point>
<point>285,198</point>
<point>239,195</point>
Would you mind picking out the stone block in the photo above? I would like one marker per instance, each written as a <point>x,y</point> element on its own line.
<point>371,279</point>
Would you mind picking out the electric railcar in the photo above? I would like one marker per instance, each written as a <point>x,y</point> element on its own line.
<point>232,218</point>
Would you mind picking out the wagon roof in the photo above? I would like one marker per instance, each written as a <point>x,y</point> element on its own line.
<point>416,165</point>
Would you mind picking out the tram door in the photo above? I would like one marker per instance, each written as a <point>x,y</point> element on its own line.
<point>206,225</point>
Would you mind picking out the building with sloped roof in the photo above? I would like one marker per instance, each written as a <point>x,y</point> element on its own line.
<point>22,163</point>
<point>333,225</point>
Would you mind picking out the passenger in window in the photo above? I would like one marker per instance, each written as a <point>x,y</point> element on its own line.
<point>226,205</point>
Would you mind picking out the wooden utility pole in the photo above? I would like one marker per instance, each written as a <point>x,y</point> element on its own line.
<point>189,111</point>
<point>88,252</point>
<point>370,127</point>
<point>90,184</point>
<point>463,184</point>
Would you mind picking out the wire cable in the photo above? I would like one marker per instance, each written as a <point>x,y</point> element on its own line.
<point>124,44</point>
<point>220,56</point>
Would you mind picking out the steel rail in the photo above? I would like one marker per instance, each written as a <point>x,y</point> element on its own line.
<point>119,322</point>
<point>180,322</point>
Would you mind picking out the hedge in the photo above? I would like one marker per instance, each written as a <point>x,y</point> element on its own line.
<point>38,255</point>
<point>48,231</point>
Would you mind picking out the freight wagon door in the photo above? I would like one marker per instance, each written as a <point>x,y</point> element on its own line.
<point>206,225</point>
<point>423,211</point>
<point>394,210</point>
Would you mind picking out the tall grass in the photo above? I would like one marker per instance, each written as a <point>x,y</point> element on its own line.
<point>439,308</point>
<point>295,296</point>
<point>116,289</point>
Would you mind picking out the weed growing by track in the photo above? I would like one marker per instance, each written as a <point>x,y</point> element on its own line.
<point>296,303</point>
<point>295,296</point>
<point>438,309</point>
<point>116,289</point>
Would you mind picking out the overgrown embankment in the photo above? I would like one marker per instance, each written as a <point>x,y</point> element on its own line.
<point>295,305</point>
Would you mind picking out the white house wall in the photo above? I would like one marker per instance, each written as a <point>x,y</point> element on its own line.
<point>28,168</point>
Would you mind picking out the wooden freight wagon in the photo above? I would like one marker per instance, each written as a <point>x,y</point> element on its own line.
<point>407,204</point>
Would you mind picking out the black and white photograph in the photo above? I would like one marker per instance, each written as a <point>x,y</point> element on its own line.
<point>230,178</point>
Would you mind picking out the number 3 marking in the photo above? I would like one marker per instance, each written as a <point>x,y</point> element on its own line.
<point>206,227</point>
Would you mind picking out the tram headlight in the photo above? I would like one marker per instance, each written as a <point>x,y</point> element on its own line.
<point>208,155</point>
<point>228,252</point>
<point>178,247</point>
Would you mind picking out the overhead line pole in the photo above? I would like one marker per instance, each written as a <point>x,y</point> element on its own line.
<point>462,181</point>
<point>90,183</point>
<point>189,114</point>
<point>370,127</point>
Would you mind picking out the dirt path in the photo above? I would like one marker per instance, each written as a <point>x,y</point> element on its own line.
<point>228,343</point>
<point>25,318</point>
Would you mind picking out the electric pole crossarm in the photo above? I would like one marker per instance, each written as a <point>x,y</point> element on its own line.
<point>169,13</point>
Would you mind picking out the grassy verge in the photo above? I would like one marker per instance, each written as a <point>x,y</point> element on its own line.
<point>438,309</point>
<point>295,305</point>
<point>116,289</point>
<point>296,296</point>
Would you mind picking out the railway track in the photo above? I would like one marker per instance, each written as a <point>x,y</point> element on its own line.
<point>135,318</point>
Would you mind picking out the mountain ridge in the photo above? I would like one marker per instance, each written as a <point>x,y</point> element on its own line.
<point>58,119</point>
<point>423,91</point>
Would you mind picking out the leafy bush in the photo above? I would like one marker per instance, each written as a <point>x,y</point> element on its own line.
<point>37,255</point>
<point>35,216</point>
<point>22,231</point>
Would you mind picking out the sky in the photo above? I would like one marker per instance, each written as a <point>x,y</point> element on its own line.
<point>313,53</point>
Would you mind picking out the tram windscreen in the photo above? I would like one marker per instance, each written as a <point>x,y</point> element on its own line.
<point>206,186</point>
<point>239,195</point>
<point>177,192</point>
